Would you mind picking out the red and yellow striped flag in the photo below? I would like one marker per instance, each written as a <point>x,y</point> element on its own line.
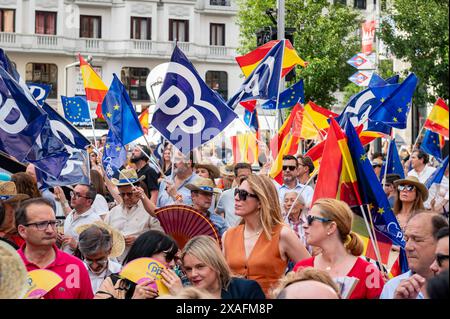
<point>143,119</point>
<point>250,61</point>
<point>315,119</point>
<point>437,121</point>
<point>245,148</point>
<point>93,85</point>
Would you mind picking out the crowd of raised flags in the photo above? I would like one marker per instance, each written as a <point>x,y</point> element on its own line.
<point>189,114</point>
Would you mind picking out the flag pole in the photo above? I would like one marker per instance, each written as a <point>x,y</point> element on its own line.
<point>418,137</point>
<point>247,137</point>
<point>150,156</point>
<point>373,227</point>
<point>280,82</point>
<point>377,253</point>
<point>387,161</point>
<point>315,126</point>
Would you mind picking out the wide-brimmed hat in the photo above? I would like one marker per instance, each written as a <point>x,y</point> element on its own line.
<point>13,273</point>
<point>118,241</point>
<point>227,170</point>
<point>412,180</point>
<point>213,170</point>
<point>8,193</point>
<point>202,185</point>
<point>127,177</point>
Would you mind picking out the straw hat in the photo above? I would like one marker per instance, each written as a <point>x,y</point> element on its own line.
<point>213,170</point>
<point>13,274</point>
<point>412,180</point>
<point>118,242</point>
<point>227,170</point>
<point>8,193</point>
<point>127,177</point>
<point>203,185</point>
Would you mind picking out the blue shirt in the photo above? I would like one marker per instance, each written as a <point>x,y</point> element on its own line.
<point>307,193</point>
<point>219,222</point>
<point>390,287</point>
<point>165,200</point>
<point>226,205</point>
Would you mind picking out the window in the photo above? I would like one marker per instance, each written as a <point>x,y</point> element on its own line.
<point>179,30</point>
<point>134,81</point>
<point>224,3</point>
<point>218,81</point>
<point>43,73</point>
<point>90,27</point>
<point>45,22</point>
<point>217,34</point>
<point>7,20</point>
<point>360,4</point>
<point>141,28</point>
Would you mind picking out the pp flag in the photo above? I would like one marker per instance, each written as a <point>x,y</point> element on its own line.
<point>188,113</point>
<point>264,81</point>
<point>114,155</point>
<point>40,91</point>
<point>76,110</point>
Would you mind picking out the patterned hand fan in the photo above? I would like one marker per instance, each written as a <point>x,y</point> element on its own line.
<point>184,222</point>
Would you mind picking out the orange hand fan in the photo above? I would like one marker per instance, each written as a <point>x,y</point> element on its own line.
<point>184,222</point>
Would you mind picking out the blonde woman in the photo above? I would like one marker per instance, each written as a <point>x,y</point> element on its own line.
<point>328,226</point>
<point>262,245</point>
<point>206,269</point>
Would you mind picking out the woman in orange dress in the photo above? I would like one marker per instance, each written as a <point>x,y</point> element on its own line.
<point>262,245</point>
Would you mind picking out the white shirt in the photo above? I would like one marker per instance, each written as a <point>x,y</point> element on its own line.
<point>96,280</point>
<point>307,193</point>
<point>390,287</point>
<point>131,222</point>
<point>100,205</point>
<point>439,192</point>
<point>226,205</point>
<point>71,224</point>
<point>424,175</point>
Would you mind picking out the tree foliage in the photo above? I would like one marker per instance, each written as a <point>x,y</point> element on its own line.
<point>325,37</point>
<point>416,31</point>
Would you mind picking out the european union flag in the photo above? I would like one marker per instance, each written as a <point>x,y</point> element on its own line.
<point>394,165</point>
<point>119,113</point>
<point>436,177</point>
<point>40,91</point>
<point>288,98</point>
<point>188,113</point>
<point>76,110</point>
<point>114,155</point>
<point>373,194</point>
<point>394,110</point>
<point>431,144</point>
<point>21,119</point>
<point>264,81</point>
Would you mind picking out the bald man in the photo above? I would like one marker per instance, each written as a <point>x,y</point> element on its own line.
<point>308,289</point>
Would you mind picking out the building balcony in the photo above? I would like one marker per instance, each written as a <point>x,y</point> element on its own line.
<point>54,44</point>
<point>223,7</point>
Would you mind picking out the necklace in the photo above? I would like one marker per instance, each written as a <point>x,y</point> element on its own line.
<point>251,236</point>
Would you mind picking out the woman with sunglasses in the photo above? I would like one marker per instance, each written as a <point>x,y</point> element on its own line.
<point>411,195</point>
<point>206,269</point>
<point>328,226</point>
<point>152,244</point>
<point>262,245</point>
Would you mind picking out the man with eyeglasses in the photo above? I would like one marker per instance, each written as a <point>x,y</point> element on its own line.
<point>36,223</point>
<point>441,262</point>
<point>291,183</point>
<point>81,199</point>
<point>421,241</point>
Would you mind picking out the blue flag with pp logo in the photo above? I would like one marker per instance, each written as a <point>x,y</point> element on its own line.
<point>188,113</point>
<point>76,110</point>
<point>40,91</point>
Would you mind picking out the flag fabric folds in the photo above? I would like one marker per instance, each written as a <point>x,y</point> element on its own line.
<point>188,113</point>
<point>431,144</point>
<point>264,81</point>
<point>40,91</point>
<point>114,155</point>
<point>438,175</point>
<point>76,110</point>
<point>245,148</point>
<point>251,60</point>
<point>437,120</point>
<point>21,119</point>
<point>395,109</point>
<point>288,98</point>
<point>393,162</point>
<point>251,119</point>
<point>143,120</point>
<point>93,85</point>
<point>315,121</point>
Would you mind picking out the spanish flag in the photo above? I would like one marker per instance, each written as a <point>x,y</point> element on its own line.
<point>143,119</point>
<point>315,120</point>
<point>251,60</point>
<point>245,148</point>
<point>93,85</point>
<point>437,121</point>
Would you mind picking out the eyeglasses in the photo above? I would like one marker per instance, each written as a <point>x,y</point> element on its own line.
<point>409,188</point>
<point>44,225</point>
<point>289,167</point>
<point>129,194</point>
<point>102,261</point>
<point>311,218</point>
<point>243,194</point>
<point>77,195</point>
<point>440,258</point>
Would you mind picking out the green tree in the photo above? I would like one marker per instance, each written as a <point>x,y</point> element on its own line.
<point>416,31</point>
<point>326,38</point>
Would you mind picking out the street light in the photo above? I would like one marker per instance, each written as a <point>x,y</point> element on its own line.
<point>68,66</point>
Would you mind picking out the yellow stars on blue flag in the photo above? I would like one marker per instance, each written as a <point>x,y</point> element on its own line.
<point>116,107</point>
<point>380,210</point>
<point>395,119</point>
<point>107,146</point>
<point>76,109</point>
<point>399,110</point>
<point>363,157</point>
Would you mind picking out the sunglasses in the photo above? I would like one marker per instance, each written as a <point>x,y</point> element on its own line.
<point>288,167</point>
<point>409,188</point>
<point>440,258</point>
<point>311,218</point>
<point>243,194</point>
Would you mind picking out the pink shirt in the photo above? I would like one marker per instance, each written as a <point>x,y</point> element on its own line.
<point>76,283</point>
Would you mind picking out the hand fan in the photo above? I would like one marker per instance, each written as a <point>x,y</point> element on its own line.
<point>184,222</point>
<point>142,269</point>
<point>41,281</point>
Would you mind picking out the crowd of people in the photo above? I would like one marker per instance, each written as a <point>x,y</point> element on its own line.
<point>275,242</point>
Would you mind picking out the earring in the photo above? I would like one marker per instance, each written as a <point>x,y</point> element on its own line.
<point>328,234</point>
